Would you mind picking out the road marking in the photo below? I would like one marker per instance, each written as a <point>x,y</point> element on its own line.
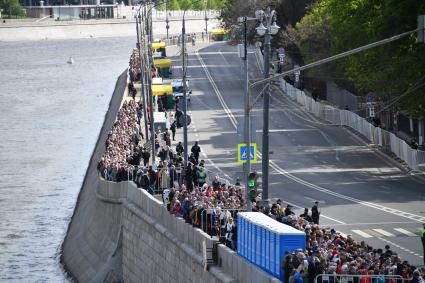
<point>333,219</point>
<point>285,173</point>
<point>361,233</point>
<point>405,232</point>
<point>222,52</point>
<point>383,232</point>
<point>286,130</point>
<point>379,223</point>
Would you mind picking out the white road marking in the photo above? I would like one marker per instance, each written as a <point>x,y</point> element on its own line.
<point>405,232</point>
<point>285,173</point>
<point>363,234</point>
<point>286,130</point>
<point>222,52</point>
<point>333,219</point>
<point>379,223</point>
<point>383,232</point>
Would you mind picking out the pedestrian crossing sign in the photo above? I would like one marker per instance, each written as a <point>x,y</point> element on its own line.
<point>243,152</point>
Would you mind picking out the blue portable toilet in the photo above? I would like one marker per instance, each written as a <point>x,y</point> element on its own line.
<point>239,238</point>
<point>288,239</point>
<point>264,241</point>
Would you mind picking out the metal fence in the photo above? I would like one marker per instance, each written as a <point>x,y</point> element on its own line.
<point>414,158</point>
<point>214,223</point>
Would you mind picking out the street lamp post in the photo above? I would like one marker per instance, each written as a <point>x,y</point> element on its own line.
<point>206,18</point>
<point>184,91</point>
<point>270,28</point>
<point>142,80</point>
<point>247,134</point>
<point>167,26</point>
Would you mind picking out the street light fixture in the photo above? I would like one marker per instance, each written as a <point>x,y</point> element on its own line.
<point>261,29</point>
<point>274,28</point>
<point>267,27</point>
<point>167,21</point>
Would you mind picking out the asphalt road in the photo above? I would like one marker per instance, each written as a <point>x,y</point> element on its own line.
<point>361,192</point>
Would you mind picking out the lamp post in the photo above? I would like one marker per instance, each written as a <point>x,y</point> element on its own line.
<point>184,91</point>
<point>206,18</point>
<point>267,28</point>
<point>142,76</point>
<point>167,26</point>
<point>247,135</point>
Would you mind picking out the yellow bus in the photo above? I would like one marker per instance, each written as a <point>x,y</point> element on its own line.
<point>158,49</point>
<point>220,34</point>
<point>164,96</point>
<point>163,65</point>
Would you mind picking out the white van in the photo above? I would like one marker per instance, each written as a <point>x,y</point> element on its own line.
<point>178,89</point>
<point>160,121</point>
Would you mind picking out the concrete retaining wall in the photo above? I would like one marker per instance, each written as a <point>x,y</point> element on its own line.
<point>92,29</point>
<point>162,248</point>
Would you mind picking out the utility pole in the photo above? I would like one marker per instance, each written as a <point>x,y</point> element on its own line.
<point>247,134</point>
<point>142,82</point>
<point>148,63</point>
<point>266,107</point>
<point>167,26</point>
<point>268,17</point>
<point>206,18</point>
<point>184,91</point>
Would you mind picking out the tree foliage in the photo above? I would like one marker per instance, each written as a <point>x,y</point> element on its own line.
<point>334,26</point>
<point>11,7</point>
<point>191,4</point>
<point>173,5</point>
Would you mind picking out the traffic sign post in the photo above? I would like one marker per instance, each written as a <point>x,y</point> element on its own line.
<point>243,152</point>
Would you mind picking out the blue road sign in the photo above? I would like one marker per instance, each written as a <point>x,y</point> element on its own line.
<point>243,153</point>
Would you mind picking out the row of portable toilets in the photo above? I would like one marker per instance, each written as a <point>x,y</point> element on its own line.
<point>263,241</point>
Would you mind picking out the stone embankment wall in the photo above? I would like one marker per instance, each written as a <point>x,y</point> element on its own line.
<point>121,233</point>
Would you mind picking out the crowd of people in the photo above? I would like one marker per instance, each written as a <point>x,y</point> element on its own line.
<point>328,252</point>
<point>205,201</point>
<point>122,151</point>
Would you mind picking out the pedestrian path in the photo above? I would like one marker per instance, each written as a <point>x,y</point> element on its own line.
<point>378,232</point>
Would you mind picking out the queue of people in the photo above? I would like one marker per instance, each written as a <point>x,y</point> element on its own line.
<point>122,151</point>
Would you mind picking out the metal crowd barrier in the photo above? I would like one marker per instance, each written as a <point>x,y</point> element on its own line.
<point>211,223</point>
<point>358,278</point>
<point>414,158</point>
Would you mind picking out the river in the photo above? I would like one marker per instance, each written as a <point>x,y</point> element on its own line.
<point>51,115</point>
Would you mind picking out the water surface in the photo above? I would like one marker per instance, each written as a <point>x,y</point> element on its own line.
<point>50,115</point>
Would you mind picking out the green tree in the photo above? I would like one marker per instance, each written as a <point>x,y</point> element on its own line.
<point>173,5</point>
<point>334,26</point>
<point>185,4</point>
<point>198,5</point>
<point>11,7</point>
<point>160,5</point>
